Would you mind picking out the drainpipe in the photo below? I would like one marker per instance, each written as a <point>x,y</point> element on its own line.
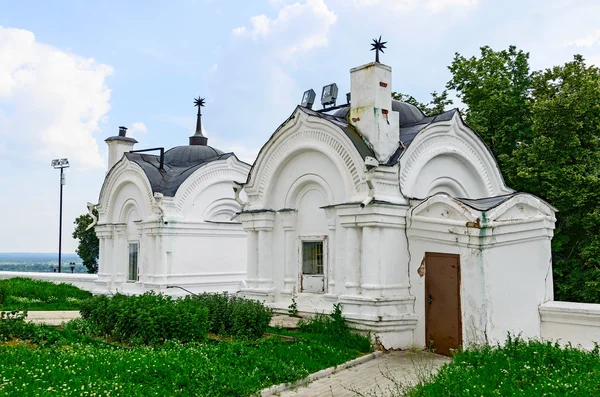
<point>90,208</point>
<point>370,164</point>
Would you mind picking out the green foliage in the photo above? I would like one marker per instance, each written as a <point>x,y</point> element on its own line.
<point>249,318</point>
<point>495,87</point>
<point>233,316</point>
<point>293,307</point>
<point>216,369</point>
<point>333,329</point>
<point>519,368</point>
<point>89,245</point>
<point>3,293</point>
<point>148,319</point>
<point>14,327</point>
<point>437,105</point>
<point>544,128</point>
<point>21,293</point>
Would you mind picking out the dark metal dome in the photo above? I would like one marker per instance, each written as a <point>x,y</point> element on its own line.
<point>187,156</point>
<point>409,114</point>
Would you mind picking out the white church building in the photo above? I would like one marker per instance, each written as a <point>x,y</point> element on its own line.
<point>402,218</point>
<point>165,218</point>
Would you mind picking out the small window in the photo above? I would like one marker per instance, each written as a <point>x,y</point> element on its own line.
<point>133,262</point>
<point>312,257</point>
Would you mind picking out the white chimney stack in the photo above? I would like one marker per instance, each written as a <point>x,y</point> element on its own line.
<point>371,108</point>
<point>118,145</point>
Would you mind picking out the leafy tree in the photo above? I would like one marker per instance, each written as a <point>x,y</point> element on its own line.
<point>495,87</point>
<point>544,128</point>
<point>437,105</point>
<point>562,165</point>
<point>89,245</point>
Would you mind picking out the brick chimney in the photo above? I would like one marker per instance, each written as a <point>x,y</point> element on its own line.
<point>371,108</point>
<point>118,145</point>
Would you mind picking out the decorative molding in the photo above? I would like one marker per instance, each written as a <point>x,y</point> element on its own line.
<point>453,139</point>
<point>305,132</point>
<point>122,173</point>
<point>217,171</point>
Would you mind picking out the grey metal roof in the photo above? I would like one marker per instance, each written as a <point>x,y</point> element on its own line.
<point>412,121</point>
<point>179,163</point>
<point>487,203</point>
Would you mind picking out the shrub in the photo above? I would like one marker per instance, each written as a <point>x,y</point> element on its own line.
<point>233,316</point>
<point>148,319</point>
<point>333,329</point>
<point>249,318</point>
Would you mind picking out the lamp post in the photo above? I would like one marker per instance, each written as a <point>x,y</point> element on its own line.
<point>60,164</point>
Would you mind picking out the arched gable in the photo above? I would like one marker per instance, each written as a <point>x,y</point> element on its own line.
<point>124,175</point>
<point>449,157</point>
<point>442,206</point>
<point>205,179</point>
<point>522,206</point>
<point>508,209</point>
<point>304,133</point>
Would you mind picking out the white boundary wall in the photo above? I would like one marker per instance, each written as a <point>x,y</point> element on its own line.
<point>82,280</point>
<point>577,323</point>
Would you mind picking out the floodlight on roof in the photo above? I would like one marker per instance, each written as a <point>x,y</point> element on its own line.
<point>308,98</point>
<point>60,163</point>
<point>329,95</point>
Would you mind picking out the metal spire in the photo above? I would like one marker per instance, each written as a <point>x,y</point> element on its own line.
<point>198,138</point>
<point>378,45</point>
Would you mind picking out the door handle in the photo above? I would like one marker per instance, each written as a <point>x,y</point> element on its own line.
<point>430,299</point>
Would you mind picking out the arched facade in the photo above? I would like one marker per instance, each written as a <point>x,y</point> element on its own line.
<point>150,240</point>
<point>448,157</point>
<point>355,205</point>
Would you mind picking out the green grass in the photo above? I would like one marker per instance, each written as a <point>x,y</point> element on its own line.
<point>73,366</point>
<point>20,293</point>
<point>519,368</point>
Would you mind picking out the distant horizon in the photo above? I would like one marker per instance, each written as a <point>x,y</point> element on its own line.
<point>40,253</point>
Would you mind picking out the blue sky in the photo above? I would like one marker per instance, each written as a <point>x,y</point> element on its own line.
<point>71,72</point>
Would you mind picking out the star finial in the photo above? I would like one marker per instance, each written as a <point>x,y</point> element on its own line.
<point>378,45</point>
<point>198,138</point>
<point>199,102</point>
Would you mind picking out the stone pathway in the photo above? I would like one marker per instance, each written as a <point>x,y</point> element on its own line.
<point>52,317</point>
<point>368,379</point>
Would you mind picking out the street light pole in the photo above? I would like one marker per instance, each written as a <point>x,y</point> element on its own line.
<point>60,164</point>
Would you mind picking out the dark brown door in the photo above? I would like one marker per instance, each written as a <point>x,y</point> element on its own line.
<point>443,325</point>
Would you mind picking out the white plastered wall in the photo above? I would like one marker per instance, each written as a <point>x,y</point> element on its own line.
<point>188,240</point>
<point>505,263</point>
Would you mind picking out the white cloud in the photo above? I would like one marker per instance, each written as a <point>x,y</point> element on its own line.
<point>240,31</point>
<point>55,100</point>
<point>439,5</point>
<point>136,129</point>
<point>408,5</point>
<point>298,27</point>
<point>587,41</point>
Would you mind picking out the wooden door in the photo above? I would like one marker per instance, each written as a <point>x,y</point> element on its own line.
<point>443,323</point>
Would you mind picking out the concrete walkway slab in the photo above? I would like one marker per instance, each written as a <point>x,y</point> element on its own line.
<point>371,378</point>
<point>52,317</point>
